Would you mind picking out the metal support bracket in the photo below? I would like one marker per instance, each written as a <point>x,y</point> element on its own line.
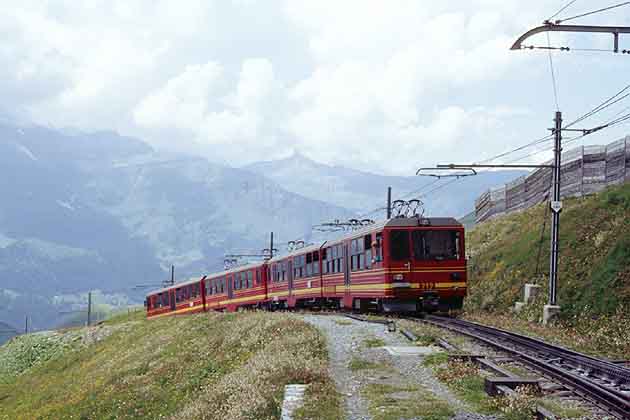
<point>552,27</point>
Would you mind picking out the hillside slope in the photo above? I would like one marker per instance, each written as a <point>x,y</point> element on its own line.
<point>205,366</point>
<point>594,276</point>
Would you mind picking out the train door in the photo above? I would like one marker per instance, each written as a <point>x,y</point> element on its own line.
<point>399,247</point>
<point>290,300</point>
<point>230,290</point>
<point>347,296</point>
<point>171,298</point>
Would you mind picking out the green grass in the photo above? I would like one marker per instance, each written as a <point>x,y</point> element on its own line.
<point>322,401</point>
<point>564,410</point>
<point>435,359</point>
<point>373,342</point>
<point>390,402</point>
<point>356,364</point>
<point>211,366</point>
<point>343,322</point>
<point>465,380</point>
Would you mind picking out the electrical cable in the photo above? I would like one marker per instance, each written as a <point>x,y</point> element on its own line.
<point>561,10</point>
<point>600,107</point>
<point>593,12</point>
<point>525,146</point>
<point>553,73</point>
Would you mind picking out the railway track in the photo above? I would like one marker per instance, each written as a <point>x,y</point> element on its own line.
<point>602,382</point>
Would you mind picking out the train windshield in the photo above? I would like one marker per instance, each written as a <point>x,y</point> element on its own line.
<point>399,244</point>
<point>435,244</point>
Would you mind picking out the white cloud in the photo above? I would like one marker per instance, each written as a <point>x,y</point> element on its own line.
<point>183,101</point>
<point>238,118</point>
<point>356,82</point>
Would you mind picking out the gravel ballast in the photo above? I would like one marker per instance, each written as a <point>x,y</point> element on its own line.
<point>347,341</point>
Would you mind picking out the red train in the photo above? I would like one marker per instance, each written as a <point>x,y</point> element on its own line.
<point>399,265</point>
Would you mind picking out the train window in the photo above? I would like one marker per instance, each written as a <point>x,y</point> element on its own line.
<point>379,247</point>
<point>367,242</point>
<point>250,279</point>
<point>315,263</point>
<point>257,277</point>
<point>399,244</point>
<point>368,258</point>
<point>353,262</point>
<point>435,244</point>
<point>178,295</point>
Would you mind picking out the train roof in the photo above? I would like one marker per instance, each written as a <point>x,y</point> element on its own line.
<point>236,269</point>
<point>191,280</point>
<point>387,223</point>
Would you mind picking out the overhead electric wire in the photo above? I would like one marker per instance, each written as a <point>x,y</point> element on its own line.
<point>593,12</point>
<point>509,152</point>
<point>562,9</point>
<point>553,73</point>
<point>601,106</point>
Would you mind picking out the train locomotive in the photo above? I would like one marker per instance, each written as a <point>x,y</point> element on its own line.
<point>404,264</point>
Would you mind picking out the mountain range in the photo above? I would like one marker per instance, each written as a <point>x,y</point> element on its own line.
<point>363,191</point>
<point>101,211</point>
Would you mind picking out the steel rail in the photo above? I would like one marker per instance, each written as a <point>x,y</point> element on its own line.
<point>615,402</point>
<point>603,366</point>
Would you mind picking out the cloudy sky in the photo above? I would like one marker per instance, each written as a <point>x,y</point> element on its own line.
<point>382,85</point>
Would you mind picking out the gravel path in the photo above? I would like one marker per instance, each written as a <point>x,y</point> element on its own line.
<point>346,338</point>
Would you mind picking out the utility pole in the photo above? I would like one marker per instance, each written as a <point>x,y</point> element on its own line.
<point>271,246</point>
<point>389,203</point>
<point>26,325</point>
<point>552,308</point>
<point>89,309</point>
<point>172,275</point>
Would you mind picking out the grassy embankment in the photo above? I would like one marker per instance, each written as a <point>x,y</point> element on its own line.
<point>594,276</point>
<point>205,366</point>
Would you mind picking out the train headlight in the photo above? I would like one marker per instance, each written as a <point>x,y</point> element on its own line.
<point>398,277</point>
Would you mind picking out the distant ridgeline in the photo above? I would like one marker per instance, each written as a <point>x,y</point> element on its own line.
<point>584,170</point>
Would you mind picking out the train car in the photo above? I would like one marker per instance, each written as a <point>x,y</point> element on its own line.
<point>240,287</point>
<point>399,265</point>
<point>182,298</point>
<point>294,280</point>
